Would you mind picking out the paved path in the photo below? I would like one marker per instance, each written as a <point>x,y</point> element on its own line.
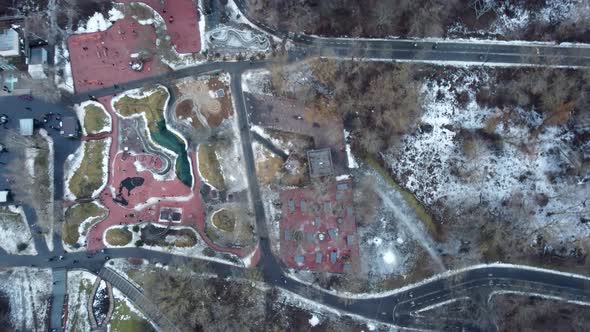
<point>474,52</point>
<point>58,298</point>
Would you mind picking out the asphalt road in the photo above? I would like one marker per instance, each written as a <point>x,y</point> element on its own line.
<point>469,52</point>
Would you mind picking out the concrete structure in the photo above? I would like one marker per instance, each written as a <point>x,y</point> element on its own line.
<point>26,127</point>
<point>320,162</point>
<point>37,62</point>
<point>4,195</point>
<point>69,127</point>
<point>9,43</point>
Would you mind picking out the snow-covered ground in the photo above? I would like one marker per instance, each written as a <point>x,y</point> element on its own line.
<point>284,144</point>
<point>98,22</point>
<point>230,159</point>
<point>79,290</point>
<point>28,291</point>
<point>256,82</point>
<point>237,16</point>
<point>62,62</point>
<point>51,204</point>
<point>352,163</point>
<point>513,17</point>
<point>228,38</point>
<point>14,230</point>
<point>440,168</point>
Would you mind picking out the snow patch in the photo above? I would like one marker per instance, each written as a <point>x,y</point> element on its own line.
<point>13,232</point>
<point>314,320</point>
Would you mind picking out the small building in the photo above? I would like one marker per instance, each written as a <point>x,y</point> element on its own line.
<point>299,259</point>
<point>333,233</point>
<point>26,127</point>
<point>173,215</point>
<point>288,235</point>
<point>4,196</point>
<point>37,62</point>
<point>333,257</point>
<point>9,43</point>
<point>350,240</point>
<point>320,162</point>
<point>318,257</point>
<point>69,126</point>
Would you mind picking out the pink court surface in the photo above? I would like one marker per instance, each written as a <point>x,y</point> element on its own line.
<point>101,59</point>
<point>319,234</point>
<point>181,18</point>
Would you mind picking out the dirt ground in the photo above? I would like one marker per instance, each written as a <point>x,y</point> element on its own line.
<point>200,91</point>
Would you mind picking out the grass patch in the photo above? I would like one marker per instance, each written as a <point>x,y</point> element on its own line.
<point>75,215</point>
<point>89,176</point>
<point>95,119</point>
<point>209,166</point>
<point>125,320</point>
<point>224,220</point>
<point>118,236</point>
<point>268,167</point>
<point>431,225</point>
<point>152,106</point>
<point>85,288</point>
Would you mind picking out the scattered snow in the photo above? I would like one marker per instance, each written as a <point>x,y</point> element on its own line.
<point>62,61</point>
<point>79,288</point>
<point>98,22</point>
<point>389,258</point>
<point>27,290</point>
<point>513,17</point>
<point>256,82</point>
<point>279,143</point>
<point>343,177</point>
<point>460,182</point>
<point>50,170</point>
<point>13,232</point>
<point>443,303</point>
<point>237,16</point>
<point>202,26</point>
<point>529,294</point>
<point>230,159</point>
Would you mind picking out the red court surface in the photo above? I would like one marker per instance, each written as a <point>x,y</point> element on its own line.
<point>319,232</point>
<point>182,22</point>
<point>101,59</point>
<point>144,202</point>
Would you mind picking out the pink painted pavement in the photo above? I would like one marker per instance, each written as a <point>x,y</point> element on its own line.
<point>101,59</point>
<point>182,22</point>
<point>167,194</point>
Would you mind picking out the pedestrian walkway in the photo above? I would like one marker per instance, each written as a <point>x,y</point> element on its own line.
<point>58,299</point>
